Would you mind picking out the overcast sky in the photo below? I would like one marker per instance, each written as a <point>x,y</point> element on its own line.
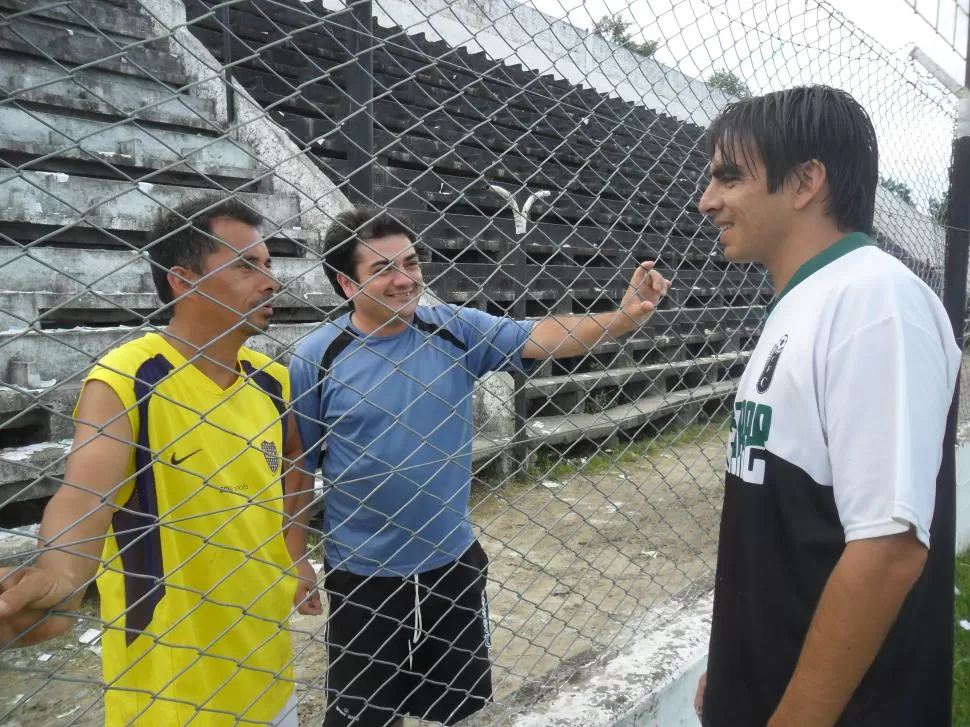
<point>773,44</point>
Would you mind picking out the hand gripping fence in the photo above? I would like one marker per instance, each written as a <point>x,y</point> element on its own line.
<point>536,153</point>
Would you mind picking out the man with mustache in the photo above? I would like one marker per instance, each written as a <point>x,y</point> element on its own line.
<point>384,396</point>
<point>830,601</point>
<point>173,494</point>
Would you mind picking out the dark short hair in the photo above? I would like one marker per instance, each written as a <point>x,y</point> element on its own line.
<point>788,128</point>
<point>352,228</point>
<point>183,237</point>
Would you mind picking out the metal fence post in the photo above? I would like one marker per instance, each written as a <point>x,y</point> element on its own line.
<point>955,300</point>
<point>227,64</point>
<point>520,270</point>
<point>360,86</point>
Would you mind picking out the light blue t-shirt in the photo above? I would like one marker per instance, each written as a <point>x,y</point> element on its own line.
<point>394,416</point>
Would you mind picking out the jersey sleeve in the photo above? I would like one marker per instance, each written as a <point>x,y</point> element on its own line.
<point>114,369</point>
<point>306,393</point>
<point>888,387</point>
<point>494,343</point>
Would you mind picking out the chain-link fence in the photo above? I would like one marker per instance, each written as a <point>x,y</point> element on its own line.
<point>538,153</point>
<point>944,27</point>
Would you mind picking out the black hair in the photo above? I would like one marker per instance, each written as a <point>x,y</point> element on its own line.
<point>183,237</point>
<point>352,228</point>
<point>788,128</point>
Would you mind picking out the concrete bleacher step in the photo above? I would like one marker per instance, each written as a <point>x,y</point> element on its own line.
<point>553,430</point>
<point>126,145</point>
<point>56,287</point>
<point>556,281</point>
<point>28,414</point>
<point>65,354</point>
<point>32,471</point>
<point>667,340</point>
<point>52,41</point>
<point>94,91</point>
<point>547,386</point>
<point>57,199</point>
<point>60,283</point>
<point>67,271</point>
<point>89,14</point>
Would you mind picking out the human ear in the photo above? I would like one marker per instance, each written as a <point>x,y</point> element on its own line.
<point>348,286</point>
<point>809,181</point>
<point>180,280</point>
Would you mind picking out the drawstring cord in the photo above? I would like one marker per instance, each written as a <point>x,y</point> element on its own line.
<point>418,625</point>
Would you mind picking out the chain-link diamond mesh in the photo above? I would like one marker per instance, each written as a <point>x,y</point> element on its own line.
<point>538,152</point>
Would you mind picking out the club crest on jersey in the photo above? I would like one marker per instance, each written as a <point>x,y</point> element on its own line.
<point>764,381</point>
<point>271,454</point>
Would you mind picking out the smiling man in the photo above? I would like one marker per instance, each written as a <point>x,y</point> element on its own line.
<point>172,494</point>
<point>385,393</point>
<point>826,609</point>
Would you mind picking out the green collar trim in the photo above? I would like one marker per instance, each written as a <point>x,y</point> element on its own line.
<point>852,241</point>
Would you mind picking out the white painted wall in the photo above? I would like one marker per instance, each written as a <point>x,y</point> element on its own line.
<point>963,497</point>
<point>511,33</point>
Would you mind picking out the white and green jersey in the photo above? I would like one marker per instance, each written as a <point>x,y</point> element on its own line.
<point>836,435</point>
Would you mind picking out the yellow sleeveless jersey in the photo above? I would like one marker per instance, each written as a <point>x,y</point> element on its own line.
<point>195,592</point>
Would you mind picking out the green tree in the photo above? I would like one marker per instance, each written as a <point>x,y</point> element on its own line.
<point>937,209</point>
<point>898,188</point>
<point>729,83</point>
<point>616,30</point>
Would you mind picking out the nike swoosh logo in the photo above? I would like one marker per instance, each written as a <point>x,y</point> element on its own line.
<point>177,461</point>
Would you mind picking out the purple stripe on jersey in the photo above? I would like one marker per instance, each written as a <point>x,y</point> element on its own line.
<point>136,526</point>
<point>272,388</point>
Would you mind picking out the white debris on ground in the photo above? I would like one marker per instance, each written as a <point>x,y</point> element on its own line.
<point>90,636</point>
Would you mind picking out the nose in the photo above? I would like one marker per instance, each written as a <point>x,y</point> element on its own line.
<point>708,203</point>
<point>270,284</point>
<point>403,279</point>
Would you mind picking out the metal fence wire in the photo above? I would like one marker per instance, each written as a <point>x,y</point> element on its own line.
<point>539,152</point>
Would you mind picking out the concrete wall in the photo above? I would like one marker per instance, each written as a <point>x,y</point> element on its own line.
<point>292,171</point>
<point>963,498</point>
<point>646,685</point>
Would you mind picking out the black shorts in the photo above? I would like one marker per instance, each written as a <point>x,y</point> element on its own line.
<point>387,658</point>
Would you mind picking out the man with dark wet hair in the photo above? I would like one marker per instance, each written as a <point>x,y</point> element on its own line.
<point>829,603</point>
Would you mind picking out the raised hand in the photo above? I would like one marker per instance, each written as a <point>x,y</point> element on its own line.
<point>647,289</point>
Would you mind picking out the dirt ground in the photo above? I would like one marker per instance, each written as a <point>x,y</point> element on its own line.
<point>581,561</point>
